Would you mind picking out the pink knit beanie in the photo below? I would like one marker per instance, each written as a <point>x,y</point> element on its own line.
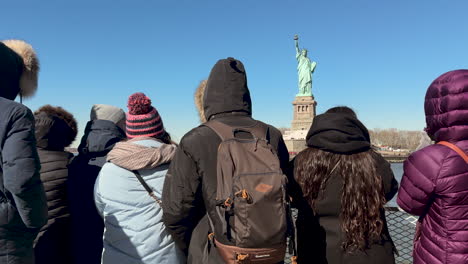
<point>143,119</point>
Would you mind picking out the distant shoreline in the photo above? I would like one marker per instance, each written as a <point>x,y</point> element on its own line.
<point>397,159</point>
<point>394,157</point>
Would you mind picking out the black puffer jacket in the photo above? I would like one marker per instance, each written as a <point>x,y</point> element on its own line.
<point>319,233</point>
<point>190,186</point>
<point>52,245</point>
<point>87,226</point>
<point>23,207</point>
<point>55,130</point>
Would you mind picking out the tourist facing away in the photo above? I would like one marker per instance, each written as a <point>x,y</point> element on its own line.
<point>55,129</point>
<point>105,128</point>
<point>191,185</point>
<point>435,180</point>
<point>343,186</point>
<point>134,231</point>
<point>23,206</point>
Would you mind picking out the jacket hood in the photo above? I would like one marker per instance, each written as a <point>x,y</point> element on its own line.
<point>338,133</point>
<point>99,138</point>
<point>19,68</point>
<point>226,89</point>
<point>446,106</point>
<point>11,68</point>
<point>55,128</point>
<point>198,97</point>
<point>109,113</point>
<point>141,153</point>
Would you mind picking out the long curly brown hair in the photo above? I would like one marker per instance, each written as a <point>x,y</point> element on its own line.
<point>362,196</point>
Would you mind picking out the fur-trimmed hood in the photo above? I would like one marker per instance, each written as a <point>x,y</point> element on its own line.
<point>199,100</point>
<point>55,128</point>
<point>19,68</point>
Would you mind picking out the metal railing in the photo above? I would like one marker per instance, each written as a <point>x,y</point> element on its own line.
<point>401,226</point>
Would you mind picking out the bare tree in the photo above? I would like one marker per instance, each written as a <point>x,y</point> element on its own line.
<point>397,139</point>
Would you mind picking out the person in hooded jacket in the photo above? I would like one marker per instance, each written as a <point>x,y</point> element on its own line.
<point>23,206</point>
<point>344,185</point>
<point>103,131</point>
<point>128,191</point>
<point>190,186</point>
<point>435,180</point>
<point>55,130</point>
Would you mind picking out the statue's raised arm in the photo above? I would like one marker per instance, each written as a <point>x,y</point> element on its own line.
<point>298,51</point>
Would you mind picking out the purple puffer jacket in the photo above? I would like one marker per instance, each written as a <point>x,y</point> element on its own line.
<point>435,180</point>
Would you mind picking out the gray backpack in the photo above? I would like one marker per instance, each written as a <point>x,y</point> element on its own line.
<point>251,198</point>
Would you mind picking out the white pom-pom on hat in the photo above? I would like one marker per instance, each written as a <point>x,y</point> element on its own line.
<point>29,77</point>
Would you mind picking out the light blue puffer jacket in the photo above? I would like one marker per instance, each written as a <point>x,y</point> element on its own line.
<point>134,231</point>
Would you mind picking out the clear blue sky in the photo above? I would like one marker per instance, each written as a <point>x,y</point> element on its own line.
<point>375,56</point>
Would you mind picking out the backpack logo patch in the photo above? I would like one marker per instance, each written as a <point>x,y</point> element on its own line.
<point>263,188</point>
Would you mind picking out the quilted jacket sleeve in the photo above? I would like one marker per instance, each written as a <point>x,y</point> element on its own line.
<point>21,168</point>
<point>419,180</point>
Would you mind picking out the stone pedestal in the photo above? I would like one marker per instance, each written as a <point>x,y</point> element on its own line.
<point>303,116</point>
<point>304,112</point>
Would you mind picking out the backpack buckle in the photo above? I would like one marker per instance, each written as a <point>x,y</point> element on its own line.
<point>294,260</point>
<point>228,202</point>
<point>240,258</point>
<point>244,195</point>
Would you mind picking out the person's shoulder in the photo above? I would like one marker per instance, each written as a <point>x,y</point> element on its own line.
<point>13,108</point>
<point>110,169</point>
<point>272,130</point>
<point>434,153</point>
<point>378,158</point>
<point>196,135</point>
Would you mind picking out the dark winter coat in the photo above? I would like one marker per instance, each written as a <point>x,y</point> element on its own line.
<point>190,186</point>
<point>435,180</point>
<point>87,226</point>
<point>23,207</point>
<point>52,245</point>
<point>319,232</point>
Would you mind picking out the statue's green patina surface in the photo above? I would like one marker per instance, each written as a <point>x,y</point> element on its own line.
<point>305,68</point>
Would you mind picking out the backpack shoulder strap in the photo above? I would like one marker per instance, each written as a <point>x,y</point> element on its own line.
<point>455,148</point>
<point>222,130</point>
<point>147,188</point>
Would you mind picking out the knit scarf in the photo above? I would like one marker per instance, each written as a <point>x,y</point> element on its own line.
<point>131,156</point>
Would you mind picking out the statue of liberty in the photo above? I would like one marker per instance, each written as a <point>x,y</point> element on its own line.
<point>305,68</point>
